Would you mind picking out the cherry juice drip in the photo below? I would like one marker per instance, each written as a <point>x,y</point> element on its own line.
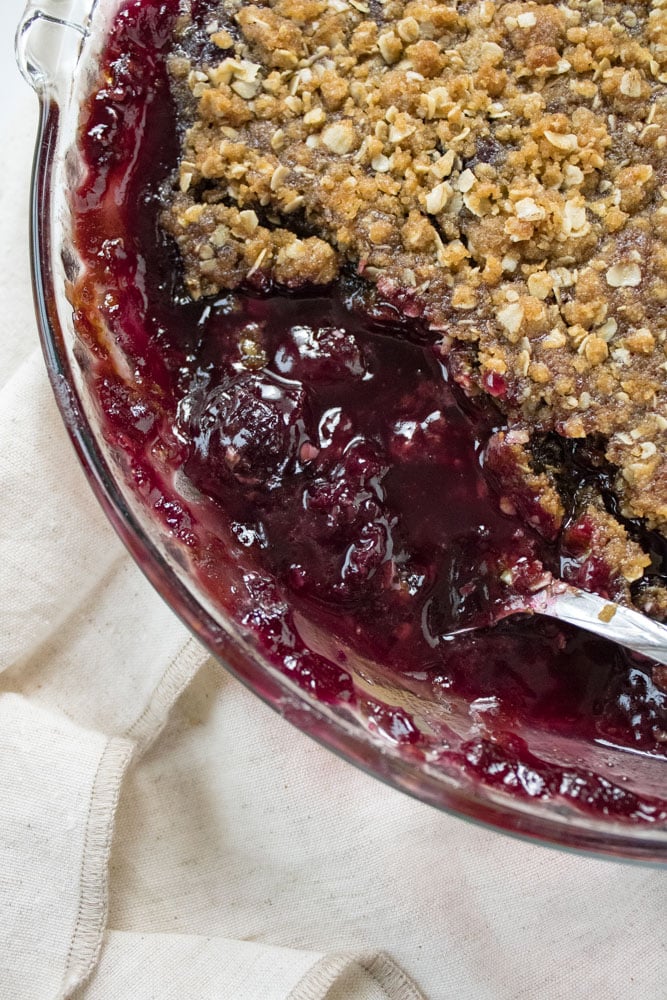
<point>344,467</point>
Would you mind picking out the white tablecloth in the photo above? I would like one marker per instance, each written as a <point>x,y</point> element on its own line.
<point>164,835</point>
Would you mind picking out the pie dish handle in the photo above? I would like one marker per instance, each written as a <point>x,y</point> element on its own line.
<point>48,43</point>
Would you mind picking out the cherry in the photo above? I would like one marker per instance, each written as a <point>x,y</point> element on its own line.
<point>248,428</point>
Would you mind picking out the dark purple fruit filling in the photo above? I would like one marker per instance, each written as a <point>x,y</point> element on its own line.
<point>348,455</point>
<point>330,458</point>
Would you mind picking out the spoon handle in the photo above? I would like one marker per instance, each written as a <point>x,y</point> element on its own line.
<point>612,621</point>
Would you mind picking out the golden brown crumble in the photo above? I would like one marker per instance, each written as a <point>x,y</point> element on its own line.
<point>500,166</point>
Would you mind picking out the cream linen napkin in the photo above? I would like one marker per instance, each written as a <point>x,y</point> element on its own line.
<point>245,862</point>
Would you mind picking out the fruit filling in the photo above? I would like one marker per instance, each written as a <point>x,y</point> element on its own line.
<point>358,309</point>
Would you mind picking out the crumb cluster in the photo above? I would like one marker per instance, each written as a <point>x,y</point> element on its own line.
<point>497,168</point>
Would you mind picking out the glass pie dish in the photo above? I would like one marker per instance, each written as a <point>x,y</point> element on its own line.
<point>431,749</point>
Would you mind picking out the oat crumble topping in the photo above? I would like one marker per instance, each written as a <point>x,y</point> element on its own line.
<point>497,168</point>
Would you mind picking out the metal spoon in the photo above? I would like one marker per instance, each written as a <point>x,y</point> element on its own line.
<point>591,612</point>
<point>595,614</point>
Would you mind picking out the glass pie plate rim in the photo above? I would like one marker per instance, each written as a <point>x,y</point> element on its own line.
<point>54,40</point>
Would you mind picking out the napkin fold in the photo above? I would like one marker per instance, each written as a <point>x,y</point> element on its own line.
<point>59,787</point>
<point>171,966</point>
